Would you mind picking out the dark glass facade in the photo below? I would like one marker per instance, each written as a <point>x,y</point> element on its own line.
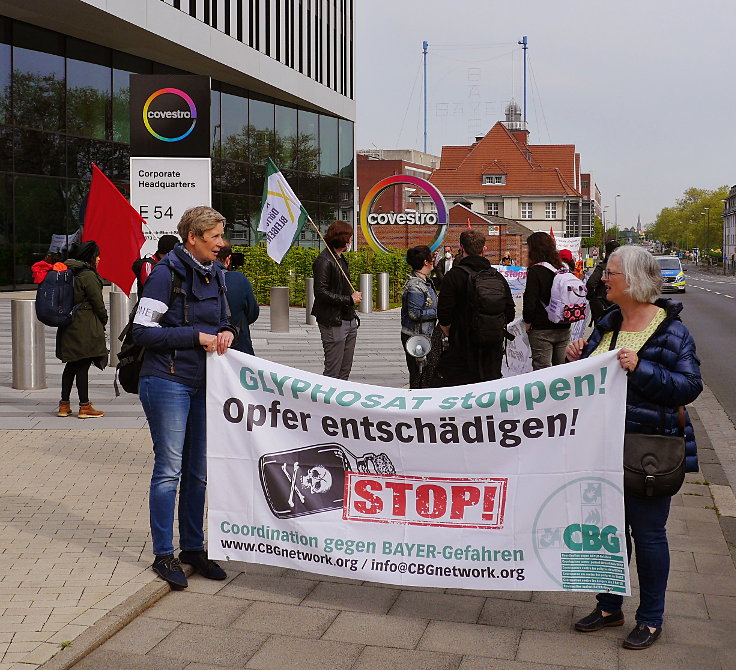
<point>64,105</point>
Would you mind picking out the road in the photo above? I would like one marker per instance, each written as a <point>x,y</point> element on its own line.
<point>710,315</point>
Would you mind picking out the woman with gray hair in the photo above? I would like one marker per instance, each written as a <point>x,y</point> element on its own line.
<point>658,354</point>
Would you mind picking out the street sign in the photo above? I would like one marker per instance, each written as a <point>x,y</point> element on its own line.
<point>594,252</point>
<point>161,189</point>
<point>494,230</point>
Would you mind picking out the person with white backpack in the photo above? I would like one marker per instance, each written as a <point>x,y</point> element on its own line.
<point>553,299</point>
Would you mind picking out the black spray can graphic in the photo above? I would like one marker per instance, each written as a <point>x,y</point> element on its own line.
<point>311,479</point>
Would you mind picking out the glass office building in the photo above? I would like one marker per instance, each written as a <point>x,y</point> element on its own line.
<point>64,105</point>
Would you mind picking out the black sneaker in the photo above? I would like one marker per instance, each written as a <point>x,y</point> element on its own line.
<point>596,620</point>
<point>202,564</point>
<point>641,637</point>
<point>169,569</point>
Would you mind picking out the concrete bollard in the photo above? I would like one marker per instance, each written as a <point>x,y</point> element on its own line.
<point>120,306</point>
<point>382,296</point>
<point>366,289</point>
<point>28,346</point>
<point>310,320</point>
<point>279,309</point>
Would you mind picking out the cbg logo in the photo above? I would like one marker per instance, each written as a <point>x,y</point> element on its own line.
<point>169,114</point>
<point>586,537</point>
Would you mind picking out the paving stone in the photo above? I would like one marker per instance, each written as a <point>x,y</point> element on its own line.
<point>717,633</point>
<point>376,629</point>
<point>714,564</point>
<point>107,659</point>
<point>721,608</point>
<point>568,650</point>
<point>439,606</point>
<point>268,588</point>
<point>352,597</point>
<point>141,635</point>
<point>698,583</point>
<point>482,663</point>
<point>279,619</point>
<point>198,608</point>
<point>531,615</point>
<point>379,658</point>
<point>279,653</point>
<point>664,655</point>
<point>204,644</point>
<point>467,638</point>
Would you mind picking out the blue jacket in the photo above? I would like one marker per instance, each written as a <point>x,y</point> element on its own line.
<point>169,327</point>
<point>418,306</point>
<point>244,309</point>
<point>667,376</point>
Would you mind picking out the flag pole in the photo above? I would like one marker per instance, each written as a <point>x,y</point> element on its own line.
<point>339,265</point>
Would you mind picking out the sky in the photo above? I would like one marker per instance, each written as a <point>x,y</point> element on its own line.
<point>645,89</point>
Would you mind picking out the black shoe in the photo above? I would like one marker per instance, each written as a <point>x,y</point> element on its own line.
<point>202,564</point>
<point>596,620</point>
<point>169,569</point>
<point>641,637</point>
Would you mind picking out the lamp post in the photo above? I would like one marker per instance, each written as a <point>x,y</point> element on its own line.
<point>707,232</point>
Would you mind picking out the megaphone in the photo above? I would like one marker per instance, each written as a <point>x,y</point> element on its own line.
<point>418,346</point>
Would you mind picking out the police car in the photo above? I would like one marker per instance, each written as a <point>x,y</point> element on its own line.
<point>672,273</point>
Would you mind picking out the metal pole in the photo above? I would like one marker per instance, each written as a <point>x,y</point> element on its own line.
<point>382,299</point>
<point>425,44</point>
<point>524,46</point>
<point>28,346</point>
<point>279,309</point>
<point>366,288</point>
<point>120,306</point>
<point>310,320</point>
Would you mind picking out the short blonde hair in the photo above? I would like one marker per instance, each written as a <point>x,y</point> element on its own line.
<point>641,271</point>
<point>199,220</point>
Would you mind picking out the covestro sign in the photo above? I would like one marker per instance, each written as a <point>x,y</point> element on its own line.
<point>369,219</point>
<point>173,97</point>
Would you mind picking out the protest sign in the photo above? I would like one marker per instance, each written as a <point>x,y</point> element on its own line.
<point>517,359</point>
<point>514,484</point>
<point>515,276</point>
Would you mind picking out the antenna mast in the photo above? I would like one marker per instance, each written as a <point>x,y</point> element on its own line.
<point>524,46</point>
<point>425,45</point>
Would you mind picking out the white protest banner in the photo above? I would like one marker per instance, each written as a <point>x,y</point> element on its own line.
<point>515,276</point>
<point>512,484</point>
<point>517,359</point>
<point>571,243</point>
<point>282,215</point>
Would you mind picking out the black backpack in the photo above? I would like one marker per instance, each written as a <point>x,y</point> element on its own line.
<point>137,267</point>
<point>130,357</point>
<point>55,298</point>
<point>486,305</point>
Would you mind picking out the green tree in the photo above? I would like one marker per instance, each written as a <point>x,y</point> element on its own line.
<point>684,226</point>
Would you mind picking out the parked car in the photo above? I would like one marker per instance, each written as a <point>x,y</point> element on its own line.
<point>672,273</point>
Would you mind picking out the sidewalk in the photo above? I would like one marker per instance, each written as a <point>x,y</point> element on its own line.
<point>76,556</point>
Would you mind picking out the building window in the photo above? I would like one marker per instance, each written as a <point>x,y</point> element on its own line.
<point>492,208</point>
<point>494,179</point>
<point>550,210</point>
<point>526,210</point>
<point>586,184</point>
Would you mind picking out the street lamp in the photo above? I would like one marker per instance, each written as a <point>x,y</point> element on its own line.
<point>707,231</point>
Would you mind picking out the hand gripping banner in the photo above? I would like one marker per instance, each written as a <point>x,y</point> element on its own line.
<point>514,484</point>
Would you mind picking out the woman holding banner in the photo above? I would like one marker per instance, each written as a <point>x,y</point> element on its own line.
<point>658,354</point>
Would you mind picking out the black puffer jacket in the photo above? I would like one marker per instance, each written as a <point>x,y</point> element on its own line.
<point>667,376</point>
<point>333,302</point>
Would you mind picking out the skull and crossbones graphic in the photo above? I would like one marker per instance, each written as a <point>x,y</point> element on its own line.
<point>316,480</point>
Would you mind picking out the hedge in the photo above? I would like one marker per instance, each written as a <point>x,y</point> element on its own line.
<point>296,267</point>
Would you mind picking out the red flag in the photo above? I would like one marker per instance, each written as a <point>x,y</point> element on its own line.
<point>469,223</point>
<point>116,226</point>
<point>552,233</point>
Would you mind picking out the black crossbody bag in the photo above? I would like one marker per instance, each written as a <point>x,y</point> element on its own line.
<point>654,465</point>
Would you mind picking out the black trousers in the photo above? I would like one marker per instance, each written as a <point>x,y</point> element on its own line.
<point>78,370</point>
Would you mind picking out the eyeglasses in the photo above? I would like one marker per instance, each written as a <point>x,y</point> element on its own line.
<point>607,274</point>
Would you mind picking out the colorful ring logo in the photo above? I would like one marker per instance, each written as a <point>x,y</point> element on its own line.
<point>381,186</point>
<point>192,113</point>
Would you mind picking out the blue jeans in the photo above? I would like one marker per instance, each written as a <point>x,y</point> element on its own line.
<point>176,417</point>
<point>646,520</point>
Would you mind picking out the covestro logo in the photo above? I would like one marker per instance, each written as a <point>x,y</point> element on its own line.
<point>168,109</point>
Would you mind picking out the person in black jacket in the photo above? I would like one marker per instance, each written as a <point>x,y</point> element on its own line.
<point>663,374</point>
<point>547,340</point>
<point>596,287</point>
<point>464,362</point>
<point>335,301</point>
